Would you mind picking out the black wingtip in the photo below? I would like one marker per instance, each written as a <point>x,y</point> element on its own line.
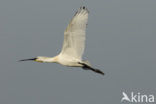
<point>83,7</point>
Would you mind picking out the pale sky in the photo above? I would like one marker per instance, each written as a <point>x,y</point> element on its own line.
<point>121,39</point>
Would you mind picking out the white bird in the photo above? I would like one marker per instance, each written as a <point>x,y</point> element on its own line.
<point>73,45</point>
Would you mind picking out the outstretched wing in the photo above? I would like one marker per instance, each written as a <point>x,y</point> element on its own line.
<point>74,35</point>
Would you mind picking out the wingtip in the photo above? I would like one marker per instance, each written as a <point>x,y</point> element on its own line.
<point>84,8</point>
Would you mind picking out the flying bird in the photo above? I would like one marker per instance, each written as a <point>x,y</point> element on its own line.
<point>73,45</point>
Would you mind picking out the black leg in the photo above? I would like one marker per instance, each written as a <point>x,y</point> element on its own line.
<point>86,67</point>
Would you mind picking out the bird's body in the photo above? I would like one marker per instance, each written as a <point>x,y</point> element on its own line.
<point>73,45</point>
<point>60,59</point>
<point>68,61</point>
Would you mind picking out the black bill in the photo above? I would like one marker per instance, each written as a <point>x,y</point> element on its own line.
<point>32,59</point>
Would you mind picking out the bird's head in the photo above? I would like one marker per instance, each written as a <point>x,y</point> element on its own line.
<point>37,59</point>
<point>41,59</point>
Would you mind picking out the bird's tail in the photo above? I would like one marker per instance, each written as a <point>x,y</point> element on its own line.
<point>88,67</point>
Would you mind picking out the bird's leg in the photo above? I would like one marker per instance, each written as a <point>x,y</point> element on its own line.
<point>87,67</point>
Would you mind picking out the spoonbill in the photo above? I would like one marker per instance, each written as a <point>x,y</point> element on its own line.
<point>73,45</point>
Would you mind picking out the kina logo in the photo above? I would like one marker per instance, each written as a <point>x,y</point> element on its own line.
<point>137,97</point>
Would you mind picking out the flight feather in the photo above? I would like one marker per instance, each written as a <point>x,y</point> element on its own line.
<point>74,35</point>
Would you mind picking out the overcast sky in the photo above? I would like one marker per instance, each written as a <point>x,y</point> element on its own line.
<point>121,41</point>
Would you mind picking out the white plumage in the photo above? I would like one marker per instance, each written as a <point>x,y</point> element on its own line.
<point>73,45</point>
<point>74,35</point>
